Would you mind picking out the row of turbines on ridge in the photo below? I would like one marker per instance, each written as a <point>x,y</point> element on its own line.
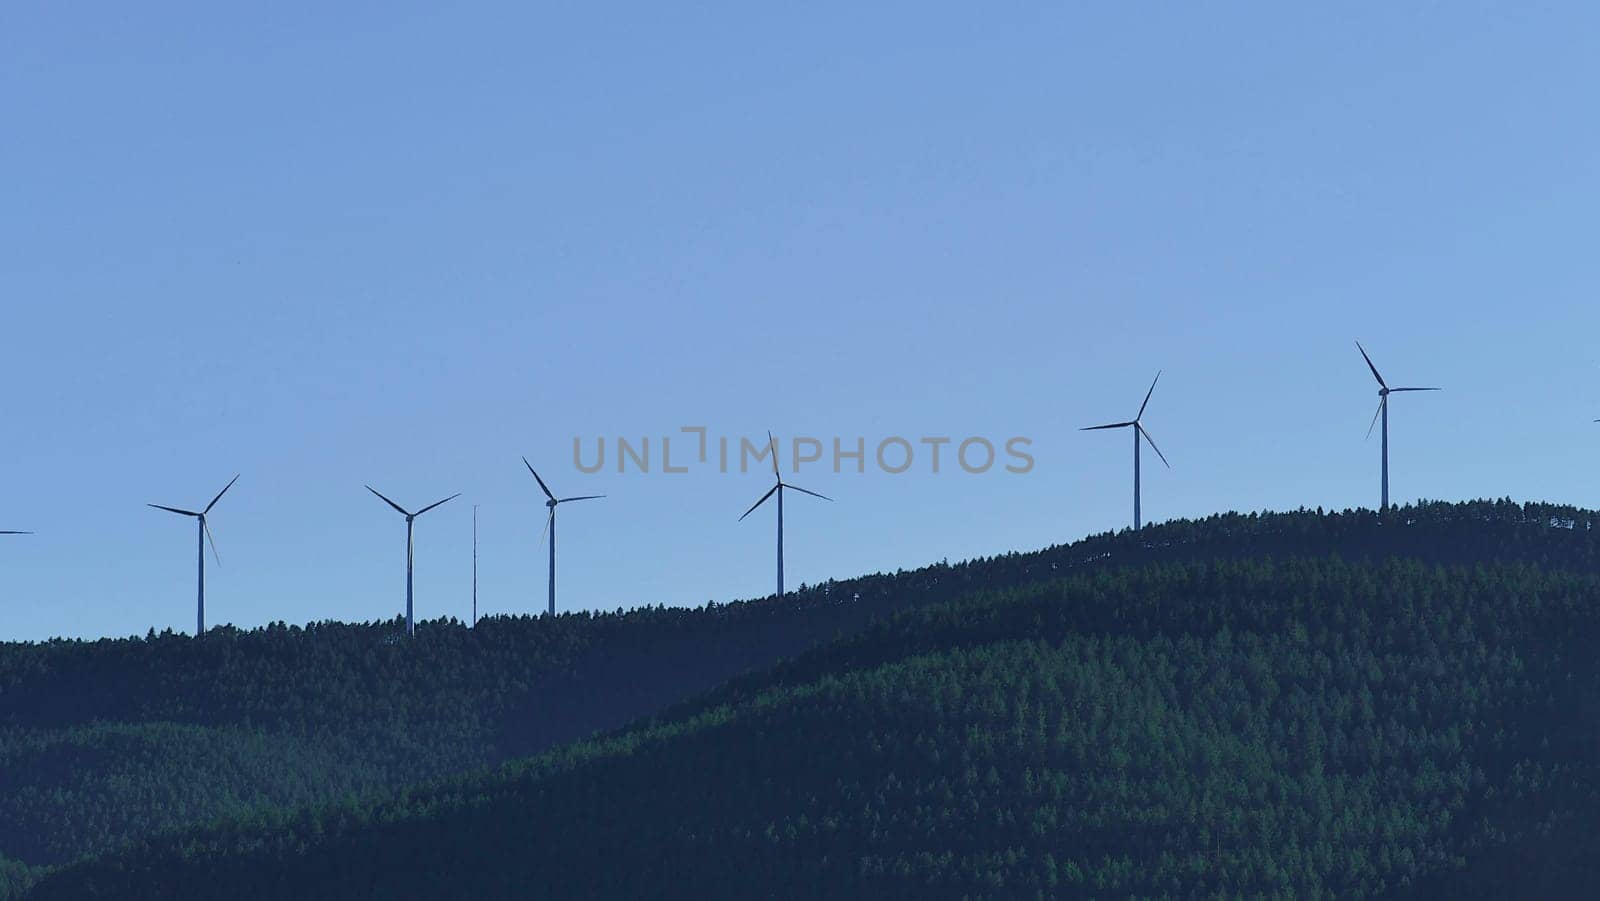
<point>1136,425</point>
<point>203,535</point>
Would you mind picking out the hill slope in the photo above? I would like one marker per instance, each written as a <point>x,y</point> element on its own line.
<point>1310,727</point>
<point>103,743</point>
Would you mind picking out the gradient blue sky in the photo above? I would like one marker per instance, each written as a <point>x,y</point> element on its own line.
<point>327,244</point>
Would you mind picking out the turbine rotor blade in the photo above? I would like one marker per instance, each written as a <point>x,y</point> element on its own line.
<point>207,528</point>
<point>1374,369</point>
<point>536,478</point>
<point>770,492</point>
<point>1394,390</point>
<point>547,521</point>
<point>173,510</point>
<point>9,532</point>
<point>586,497</point>
<point>773,444</point>
<point>1114,425</point>
<point>403,511</point>
<point>437,503</point>
<point>1147,397</point>
<point>1375,415</point>
<point>804,491</point>
<point>220,494</point>
<point>1153,445</point>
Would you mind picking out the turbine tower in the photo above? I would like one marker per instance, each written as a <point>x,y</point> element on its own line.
<point>411,518</point>
<point>552,502</point>
<point>1137,425</point>
<point>778,490</point>
<point>1383,413</point>
<point>203,537</point>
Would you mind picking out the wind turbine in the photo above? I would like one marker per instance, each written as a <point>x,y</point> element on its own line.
<point>411,623</point>
<point>1138,429</point>
<point>778,490</point>
<point>550,525</point>
<point>1383,412</point>
<point>203,537</point>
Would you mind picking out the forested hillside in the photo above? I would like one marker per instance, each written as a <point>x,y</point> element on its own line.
<point>1308,727</point>
<point>110,742</point>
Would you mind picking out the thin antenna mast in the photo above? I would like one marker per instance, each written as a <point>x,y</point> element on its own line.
<point>474,566</point>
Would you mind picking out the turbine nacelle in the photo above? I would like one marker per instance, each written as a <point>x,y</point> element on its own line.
<point>1136,423</point>
<point>1383,390</point>
<point>205,528</point>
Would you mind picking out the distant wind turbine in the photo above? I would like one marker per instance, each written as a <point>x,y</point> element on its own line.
<point>550,525</point>
<point>411,623</point>
<point>1383,412</point>
<point>203,537</point>
<point>1138,430</point>
<point>778,490</point>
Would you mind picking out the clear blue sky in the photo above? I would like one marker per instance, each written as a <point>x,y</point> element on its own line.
<point>327,244</point>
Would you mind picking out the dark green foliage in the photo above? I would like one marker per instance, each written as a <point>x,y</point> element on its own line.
<point>15,878</point>
<point>1152,713</point>
<point>1306,728</point>
<point>129,780</point>
<point>105,741</point>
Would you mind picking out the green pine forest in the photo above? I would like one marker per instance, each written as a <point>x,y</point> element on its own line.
<point>1304,704</point>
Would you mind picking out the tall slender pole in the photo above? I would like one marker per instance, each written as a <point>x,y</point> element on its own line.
<point>780,539</point>
<point>200,605</point>
<point>411,623</point>
<point>1137,522</point>
<point>474,566</point>
<point>1385,406</point>
<point>552,561</point>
